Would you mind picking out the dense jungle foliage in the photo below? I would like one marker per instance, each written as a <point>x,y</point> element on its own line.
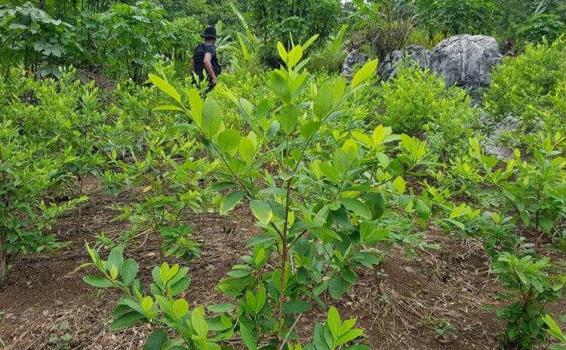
<point>335,170</point>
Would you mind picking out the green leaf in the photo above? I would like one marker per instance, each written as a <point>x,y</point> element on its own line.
<point>341,162</point>
<point>98,281</point>
<point>309,42</point>
<point>221,308</point>
<point>248,334</point>
<point>365,73</point>
<point>168,108</point>
<point>261,298</point>
<point>554,329</point>
<point>330,172</point>
<point>180,308</point>
<point>376,203</point>
<point>324,101</point>
<point>238,273</point>
<point>381,135</point>
<point>334,322</point>
<point>309,129</point>
<point>359,208</point>
<point>248,149</point>
<point>198,321</point>
<point>156,340</point>
<point>337,287</point>
<point>350,148</point>
<point>129,271</point>
<point>371,235</point>
<point>289,116</point>
<point>282,52</point>
<point>212,346</point>
<point>294,56</point>
<point>321,340</point>
<point>400,185</point>
<point>231,201</point>
<point>246,107</point>
<point>279,86</point>
<point>326,235</point>
<point>197,106</point>
<point>174,344</point>
<point>346,326</point>
<point>165,87</point>
<point>94,257</point>
<point>296,307</point>
<point>358,347</point>
<point>262,211</point>
<point>116,257</point>
<point>456,223</point>
<point>127,320</point>
<point>229,140</point>
<point>423,210</point>
<point>147,304</point>
<point>348,337</point>
<point>233,287</point>
<point>211,117</point>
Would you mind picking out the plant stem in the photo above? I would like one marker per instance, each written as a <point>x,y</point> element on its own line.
<point>285,250</point>
<point>289,332</point>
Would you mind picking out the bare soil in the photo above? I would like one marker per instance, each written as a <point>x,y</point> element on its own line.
<point>438,300</point>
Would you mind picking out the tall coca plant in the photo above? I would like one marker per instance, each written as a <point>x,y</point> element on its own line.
<point>317,194</point>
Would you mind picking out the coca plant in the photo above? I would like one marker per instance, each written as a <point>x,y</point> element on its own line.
<point>200,328</point>
<point>316,206</point>
<point>316,193</point>
<point>170,176</point>
<point>27,177</point>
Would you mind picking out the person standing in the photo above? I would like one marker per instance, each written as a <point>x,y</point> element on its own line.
<point>205,61</point>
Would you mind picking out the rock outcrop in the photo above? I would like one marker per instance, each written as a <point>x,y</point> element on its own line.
<point>412,55</point>
<point>463,60</point>
<point>353,60</point>
<point>466,60</point>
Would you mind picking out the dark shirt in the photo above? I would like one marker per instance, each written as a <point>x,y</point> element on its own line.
<point>198,58</point>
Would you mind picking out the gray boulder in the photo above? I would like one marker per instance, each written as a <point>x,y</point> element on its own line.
<point>413,54</point>
<point>353,59</point>
<point>466,60</point>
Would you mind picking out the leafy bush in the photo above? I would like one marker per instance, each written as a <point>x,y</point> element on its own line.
<point>513,17</point>
<point>52,141</point>
<point>171,178</point>
<point>294,21</point>
<point>294,220</point>
<point>530,286</point>
<point>29,36</point>
<point>526,86</point>
<point>125,39</point>
<point>534,187</point>
<point>417,101</point>
<point>456,16</point>
<point>32,170</point>
<point>182,35</point>
<point>542,27</point>
<point>384,26</point>
<point>164,307</point>
<point>25,178</point>
<point>330,57</point>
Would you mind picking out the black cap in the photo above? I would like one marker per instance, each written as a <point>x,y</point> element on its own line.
<point>209,33</point>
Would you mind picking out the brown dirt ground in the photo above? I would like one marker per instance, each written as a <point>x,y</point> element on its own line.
<point>436,301</point>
